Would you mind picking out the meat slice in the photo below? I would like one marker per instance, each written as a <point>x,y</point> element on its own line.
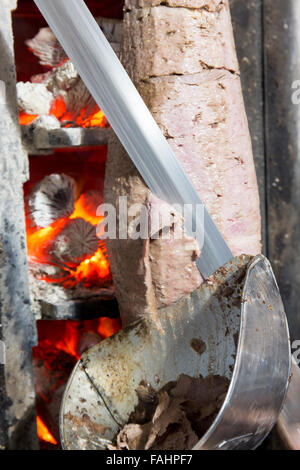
<point>181,56</point>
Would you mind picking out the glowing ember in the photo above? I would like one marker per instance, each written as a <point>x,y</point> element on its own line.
<point>26,119</point>
<point>85,209</point>
<point>70,340</point>
<point>66,335</point>
<point>44,433</point>
<point>96,120</point>
<point>59,110</point>
<point>38,241</point>
<point>60,345</point>
<point>91,271</point>
<point>108,327</point>
<point>56,81</point>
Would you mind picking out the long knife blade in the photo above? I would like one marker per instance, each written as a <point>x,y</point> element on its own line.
<point>112,89</point>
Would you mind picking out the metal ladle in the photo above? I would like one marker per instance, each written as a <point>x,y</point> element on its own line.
<point>238,314</point>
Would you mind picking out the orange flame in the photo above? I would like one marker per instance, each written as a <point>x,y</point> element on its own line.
<point>59,110</point>
<point>70,340</point>
<point>83,211</point>
<point>38,241</point>
<point>73,338</point>
<point>93,268</point>
<point>97,119</point>
<point>108,326</point>
<point>26,119</point>
<point>44,433</point>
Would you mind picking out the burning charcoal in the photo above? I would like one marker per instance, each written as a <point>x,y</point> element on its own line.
<point>59,80</point>
<point>66,76</point>
<point>75,242</point>
<point>34,98</point>
<point>52,367</point>
<point>51,199</point>
<point>46,122</point>
<point>46,47</point>
<point>63,80</point>
<point>64,83</point>
<point>80,102</point>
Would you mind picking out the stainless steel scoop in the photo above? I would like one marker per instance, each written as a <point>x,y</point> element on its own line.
<point>161,348</point>
<point>238,314</point>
